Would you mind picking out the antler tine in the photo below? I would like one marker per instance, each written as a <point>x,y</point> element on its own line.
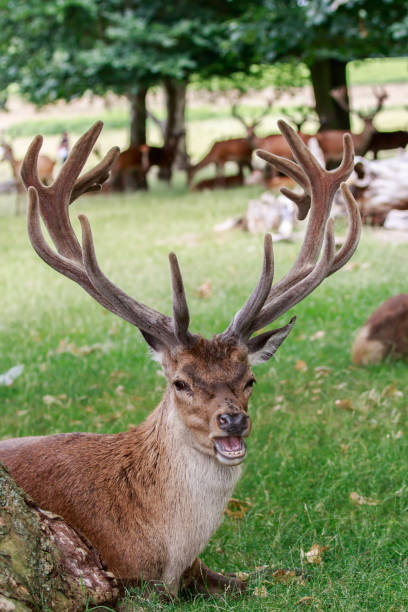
<point>147,319</point>
<point>54,200</point>
<point>288,167</point>
<point>66,266</point>
<point>240,325</point>
<point>320,186</point>
<point>181,315</point>
<point>93,179</point>
<point>323,185</point>
<point>353,236</point>
<point>80,263</point>
<point>28,172</point>
<point>289,298</point>
<point>284,165</point>
<point>78,156</point>
<point>236,115</point>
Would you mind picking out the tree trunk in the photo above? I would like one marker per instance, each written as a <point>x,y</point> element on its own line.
<point>138,118</point>
<point>326,75</point>
<point>44,563</point>
<point>175,95</point>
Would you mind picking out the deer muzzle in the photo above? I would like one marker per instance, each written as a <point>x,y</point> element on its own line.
<point>229,445</point>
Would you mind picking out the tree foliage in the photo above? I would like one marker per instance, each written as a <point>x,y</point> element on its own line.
<point>61,49</point>
<point>313,30</point>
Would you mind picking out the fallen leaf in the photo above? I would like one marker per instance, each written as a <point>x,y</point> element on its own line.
<point>65,346</point>
<point>301,366</point>
<point>322,371</point>
<point>391,391</point>
<point>243,576</point>
<point>351,266</point>
<point>204,290</point>
<point>50,399</point>
<point>305,600</point>
<point>284,575</point>
<point>260,591</point>
<point>362,501</point>
<point>314,555</point>
<point>344,404</point>
<point>318,335</point>
<point>236,508</point>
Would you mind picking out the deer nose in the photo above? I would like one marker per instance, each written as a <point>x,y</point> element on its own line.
<point>236,423</point>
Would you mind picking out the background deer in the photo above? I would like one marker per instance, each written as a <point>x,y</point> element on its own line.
<point>237,150</point>
<point>150,498</point>
<point>386,141</point>
<point>331,141</point>
<point>45,169</point>
<point>384,333</point>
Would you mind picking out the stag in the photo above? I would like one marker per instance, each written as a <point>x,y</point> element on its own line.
<point>238,150</point>
<point>330,141</point>
<point>138,496</point>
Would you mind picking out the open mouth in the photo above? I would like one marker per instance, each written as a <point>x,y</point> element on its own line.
<point>230,449</point>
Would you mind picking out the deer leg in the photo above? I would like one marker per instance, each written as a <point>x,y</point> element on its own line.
<point>200,579</point>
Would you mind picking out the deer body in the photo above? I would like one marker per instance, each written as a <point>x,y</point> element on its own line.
<point>165,498</point>
<point>150,498</point>
<point>331,142</point>
<point>237,150</point>
<point>45,166</point>
<point>386,141</point>
<point>276,144</point>
<point>384,333</point>
<point>220,182</point>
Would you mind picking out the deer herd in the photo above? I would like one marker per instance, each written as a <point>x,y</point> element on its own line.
<point>149,499</point>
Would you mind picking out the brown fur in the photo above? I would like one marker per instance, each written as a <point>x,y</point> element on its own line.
<point>138,496</point>
<point>220,182</point>
<point>45,166</point>
<point>386,141</point>
<point>238,150</point>
<point>331,142</point>
<point>385,332</point>
<point>132,161</point>
<point>276,144</point>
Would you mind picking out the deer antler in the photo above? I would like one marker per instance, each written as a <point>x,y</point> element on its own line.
<point>319,185</point>
<point>51,203</point>
<point>250,126</point>
<point>339,94</point>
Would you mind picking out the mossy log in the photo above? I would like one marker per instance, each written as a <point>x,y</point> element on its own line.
<point>44,563</point>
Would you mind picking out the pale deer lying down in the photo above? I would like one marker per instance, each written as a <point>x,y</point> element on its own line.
<point>384,333</point>
<point>149,499</point>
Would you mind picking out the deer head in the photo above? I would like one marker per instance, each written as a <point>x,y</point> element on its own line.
<point>209,381</point>
<point>380,94</point>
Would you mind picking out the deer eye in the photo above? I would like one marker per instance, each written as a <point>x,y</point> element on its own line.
<point>182,386</point>
<point>250,383</point>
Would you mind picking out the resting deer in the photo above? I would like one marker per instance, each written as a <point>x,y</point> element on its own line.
<point>384,333</point>
<point>149,499</point>
<point>45,169</point>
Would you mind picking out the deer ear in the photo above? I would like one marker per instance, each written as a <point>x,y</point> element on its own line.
<point>262,347</point>
<point>156,347</point>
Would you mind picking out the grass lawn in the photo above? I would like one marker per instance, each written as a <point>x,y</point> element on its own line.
<point>86,370</point>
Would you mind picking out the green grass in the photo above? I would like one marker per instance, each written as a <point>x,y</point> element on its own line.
<point>306,454</point>
<point>378,71</point>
